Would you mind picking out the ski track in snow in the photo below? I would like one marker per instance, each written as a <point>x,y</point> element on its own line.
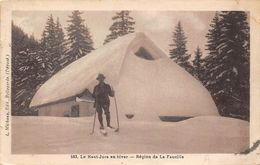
<point>58,135</point>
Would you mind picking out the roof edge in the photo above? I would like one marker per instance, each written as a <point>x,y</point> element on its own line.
<point>70,98</point>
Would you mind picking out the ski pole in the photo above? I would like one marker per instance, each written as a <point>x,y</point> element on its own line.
<point>93,128</point>
<point>117,130</point>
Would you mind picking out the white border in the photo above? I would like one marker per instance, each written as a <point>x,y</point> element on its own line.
<point>178,5</point>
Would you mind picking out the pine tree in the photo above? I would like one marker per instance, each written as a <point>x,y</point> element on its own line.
<point>79,38</point>
<point>25,70</point>
<point>49,45</point>
<point>123,24</point>
<point>179,51</point>
<point>60,45</point>
<point>210,62</point>
<point>27,77</point>
<point>53,45</point>
<point>198,64</point>
<point>229,70</point>
<point>49,34</point>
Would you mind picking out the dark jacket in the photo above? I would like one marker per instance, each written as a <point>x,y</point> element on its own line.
<point>101,94</point>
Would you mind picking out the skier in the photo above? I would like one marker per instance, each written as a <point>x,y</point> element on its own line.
<point>101,93</point>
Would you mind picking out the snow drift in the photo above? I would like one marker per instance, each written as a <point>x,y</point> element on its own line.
<point>55,135</point>
<point>147,83</point>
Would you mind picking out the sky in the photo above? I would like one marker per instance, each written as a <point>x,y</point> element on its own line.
<point>157,25</point>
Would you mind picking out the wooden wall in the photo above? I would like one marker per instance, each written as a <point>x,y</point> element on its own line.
<point>64,109</point>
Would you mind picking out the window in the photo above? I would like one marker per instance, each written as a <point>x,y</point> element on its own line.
<point>143,53</point>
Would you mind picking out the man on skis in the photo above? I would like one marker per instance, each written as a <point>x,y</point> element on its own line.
<point>101,93</point>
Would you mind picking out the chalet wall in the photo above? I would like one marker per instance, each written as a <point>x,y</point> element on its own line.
<point>86,109</point>
<point>64,109</point>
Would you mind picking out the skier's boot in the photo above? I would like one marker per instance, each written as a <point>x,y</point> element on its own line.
<point>103,131</point>
<point>110,127</point>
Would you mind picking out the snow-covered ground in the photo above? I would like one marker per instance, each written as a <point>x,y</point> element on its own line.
<point>58,135</point>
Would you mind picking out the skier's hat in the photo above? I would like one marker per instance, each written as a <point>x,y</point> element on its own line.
<point>100,76</point>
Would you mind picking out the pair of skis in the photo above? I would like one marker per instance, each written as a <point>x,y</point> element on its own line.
<point>103,131</point>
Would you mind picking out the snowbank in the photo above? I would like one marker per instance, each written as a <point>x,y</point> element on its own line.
<point>54,135</point>
<point>145,88</point>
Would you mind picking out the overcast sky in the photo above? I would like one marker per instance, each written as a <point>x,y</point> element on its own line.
<point>158,25</point>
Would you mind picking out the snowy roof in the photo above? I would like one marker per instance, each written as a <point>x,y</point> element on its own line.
<point>80,74</point>
<point>145,80</point>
